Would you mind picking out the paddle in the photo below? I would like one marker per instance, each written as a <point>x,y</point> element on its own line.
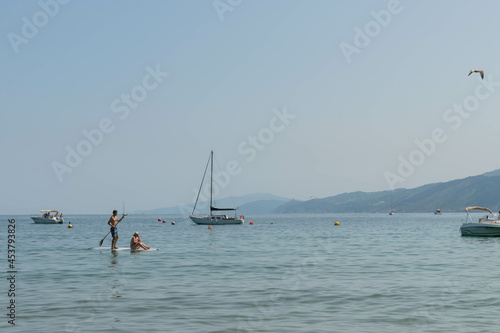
<point>102,240</point>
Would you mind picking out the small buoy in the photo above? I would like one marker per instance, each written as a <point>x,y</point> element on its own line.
<point>209,227</point>
<point>163,221</point>
<point>173,223</point>
<point>70,226</point>
<point>337,223</point>
<point>251,223</point>
<point>159,220</point>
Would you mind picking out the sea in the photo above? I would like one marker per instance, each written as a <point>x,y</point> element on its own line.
<point>282,273</point>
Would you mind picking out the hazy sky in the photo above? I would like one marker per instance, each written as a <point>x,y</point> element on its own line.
<point>105,102</point>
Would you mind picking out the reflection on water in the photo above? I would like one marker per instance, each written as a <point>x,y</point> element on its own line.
<point>118,282</point>
<point>480,240</point>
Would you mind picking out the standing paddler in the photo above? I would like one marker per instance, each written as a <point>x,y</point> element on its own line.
<point>113,223</point>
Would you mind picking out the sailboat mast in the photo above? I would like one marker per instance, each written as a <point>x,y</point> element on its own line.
<point>201,185</point>
<point>211,178</point>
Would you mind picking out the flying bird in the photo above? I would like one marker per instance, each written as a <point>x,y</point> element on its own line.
<point>477,71</point>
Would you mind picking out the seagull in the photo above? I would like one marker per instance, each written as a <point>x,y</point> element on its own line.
<point>477,71</point>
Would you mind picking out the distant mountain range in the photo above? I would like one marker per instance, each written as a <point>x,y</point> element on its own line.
<point>256,203</point>
<point>451,196</point>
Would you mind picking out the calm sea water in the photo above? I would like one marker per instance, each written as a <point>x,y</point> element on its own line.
<point>286,273</point>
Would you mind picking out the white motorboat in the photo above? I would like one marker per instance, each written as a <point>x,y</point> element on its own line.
<point>437,211</point>
<point>486,226</point>
<point>46,218</point>
<point>217,219</point>
<point>214,219</point>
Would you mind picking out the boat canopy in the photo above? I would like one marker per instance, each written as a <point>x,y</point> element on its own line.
<point>212,208</point>
<point>49,211</point>
<point>478,208</point>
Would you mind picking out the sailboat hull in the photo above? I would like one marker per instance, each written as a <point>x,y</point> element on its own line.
<point>215,220</point>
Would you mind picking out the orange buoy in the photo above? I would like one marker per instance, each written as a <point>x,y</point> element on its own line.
<point>251,223</point>
<point>209,227</point>
<point>163,221</point>
<point>159,220</point>
<point>336,223</point>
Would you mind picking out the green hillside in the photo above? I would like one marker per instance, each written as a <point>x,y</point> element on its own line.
<point>452,196</point>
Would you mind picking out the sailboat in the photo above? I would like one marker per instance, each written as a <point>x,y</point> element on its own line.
<point>214,219</point>
<point>391,212</point>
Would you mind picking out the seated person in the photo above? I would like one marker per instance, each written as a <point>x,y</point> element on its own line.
<point>136,243</point>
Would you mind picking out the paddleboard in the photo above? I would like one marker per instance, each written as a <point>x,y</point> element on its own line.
<point>108,248</point>
<point>141,249</point>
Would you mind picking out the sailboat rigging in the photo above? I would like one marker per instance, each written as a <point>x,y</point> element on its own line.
<point>214,219</point>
